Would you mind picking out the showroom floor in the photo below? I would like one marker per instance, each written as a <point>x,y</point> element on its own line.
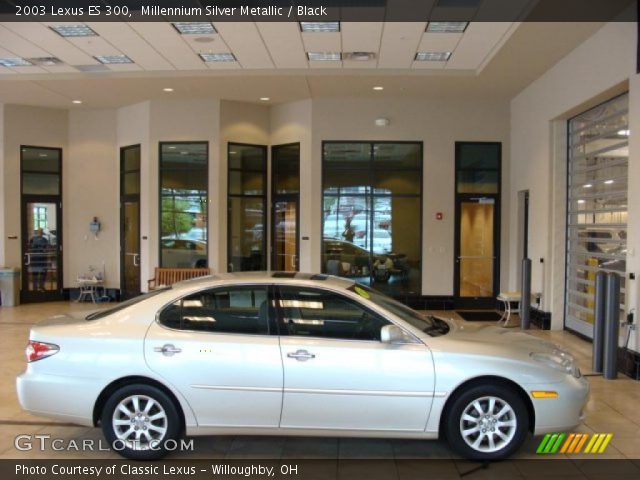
<point>613,408</point>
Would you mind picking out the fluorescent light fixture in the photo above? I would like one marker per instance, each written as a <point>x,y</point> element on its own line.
<point>79,30</point>
<point>624,133</point>
<point>320,27</point>
<point>580,202</point>
<point>608,182</point>
<point>217,57</point>
<point>447,27</point>
<point>77,102</point>
<point>168,89</point>
<point>324,56</point>
<point>194,28</point>
<point>588,185</point>
<point>265,99</point>
<point>15,62</point>
<point>113,59</point>
<point>378,88</point>
<point>432,56</point>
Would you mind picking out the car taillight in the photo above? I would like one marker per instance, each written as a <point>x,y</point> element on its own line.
<point>39,350</point>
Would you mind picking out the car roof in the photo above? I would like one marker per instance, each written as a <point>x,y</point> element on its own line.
<point>318,279</point>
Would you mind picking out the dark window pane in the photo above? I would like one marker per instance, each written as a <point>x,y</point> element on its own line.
<point>131,159</point>
<point>347,155</point>
<point>478,156</point>
<point>40,160</point>
<point>246,183</point>
<point>184,155</point>
<point>40,184</point>
<point>317,313</point>
<point>397,155</point>
<point>171,315</point>
<point>346,182</point>
<point>246,234</point>
<point>131,183</point>
<point>247,157</point>
<point>478,181</point>
<point>286,168</point>
<point>396,182</point>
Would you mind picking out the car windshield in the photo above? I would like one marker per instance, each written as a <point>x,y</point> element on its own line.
<point>431,325</point>
<point>121,306</point>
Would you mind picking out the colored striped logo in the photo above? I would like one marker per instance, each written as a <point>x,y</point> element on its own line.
<point>574,443</point>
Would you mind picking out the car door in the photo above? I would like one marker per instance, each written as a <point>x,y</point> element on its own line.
<point>215,347</point>
<point>337,372</point>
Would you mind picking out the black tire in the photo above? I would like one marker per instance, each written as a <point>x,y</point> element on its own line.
<point>172,424</point>
<point>454,423</point>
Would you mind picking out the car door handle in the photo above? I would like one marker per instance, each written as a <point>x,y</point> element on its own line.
<point>301,355</point>
<point>167,350</point>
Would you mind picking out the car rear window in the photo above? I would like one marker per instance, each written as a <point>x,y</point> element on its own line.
<point>121,306</point>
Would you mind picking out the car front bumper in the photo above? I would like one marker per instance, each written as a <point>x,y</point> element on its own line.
<point>563,413</point>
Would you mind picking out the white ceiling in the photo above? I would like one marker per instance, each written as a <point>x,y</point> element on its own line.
<point>489,58</point>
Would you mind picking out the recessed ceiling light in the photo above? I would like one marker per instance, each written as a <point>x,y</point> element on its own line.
<point>42,155</point>
<point>588,185</point>
<point>320,27</point>
<point>359,56</point>
<point>79,30</point>
<point>194,28</point>
<point>608,182</point>
<point>232,152</point>
<point>218,57</point>
<point>172,147</point>
<point>113,59</point>
<point>378,88</point>
<point>45,61</point>
<point>184,153</point>
<point>265,99</point>
<point>77,102</point>
<point>167,89</point>
<point>432,56</point>
<point>624,133</point>
<point>581,201</point>
<point>447,27</point>
<point>15,62</point>
<point>324,56</point>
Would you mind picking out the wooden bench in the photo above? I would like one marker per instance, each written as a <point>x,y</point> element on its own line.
<point>169,276</point>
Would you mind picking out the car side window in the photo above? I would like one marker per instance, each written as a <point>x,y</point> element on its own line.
<point>310,312</point>
<point>221,310</point>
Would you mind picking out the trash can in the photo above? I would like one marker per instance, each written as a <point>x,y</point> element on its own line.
<point>9,286</point>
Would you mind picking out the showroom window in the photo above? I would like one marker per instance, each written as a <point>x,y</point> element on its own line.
<point>596,206</point>
<point>221,310</point>
<point>184,172</point>
<point>371,218</point>
<point>247,203</point>
<point>319,313</point>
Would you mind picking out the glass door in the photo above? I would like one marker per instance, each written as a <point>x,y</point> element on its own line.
<point>285,202</point>
<point>285,241</point>
<point>130,222</point>
<point>476,260</point>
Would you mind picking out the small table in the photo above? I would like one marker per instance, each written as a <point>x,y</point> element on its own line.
<point>507,298</point>
<point>88,288</point>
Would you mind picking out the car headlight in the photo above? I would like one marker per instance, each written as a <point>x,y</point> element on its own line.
<point>558,360</point>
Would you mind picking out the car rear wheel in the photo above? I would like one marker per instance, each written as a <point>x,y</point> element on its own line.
<point>140,422</point>
<point>487,423</point>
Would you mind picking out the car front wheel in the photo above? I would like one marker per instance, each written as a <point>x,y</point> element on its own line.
<point>140,421</point>
<point>487,423</point>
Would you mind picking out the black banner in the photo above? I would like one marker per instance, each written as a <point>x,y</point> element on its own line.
<point>318,10</point>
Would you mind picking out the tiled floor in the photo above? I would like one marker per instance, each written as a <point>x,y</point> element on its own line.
<point>613,407</point>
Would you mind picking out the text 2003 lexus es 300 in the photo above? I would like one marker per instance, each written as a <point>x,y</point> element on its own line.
<point>294,354</point>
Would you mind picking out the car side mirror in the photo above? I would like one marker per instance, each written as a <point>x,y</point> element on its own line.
<point>394,334</point>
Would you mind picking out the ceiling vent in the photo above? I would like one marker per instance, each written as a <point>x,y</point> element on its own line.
<point>46,61</point>
<point>360,56</point>
<point>92,68</point>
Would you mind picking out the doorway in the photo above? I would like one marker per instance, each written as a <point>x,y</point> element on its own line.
<point>285,202</point>
<point>477,225</point>
<point>41,213</point>
<point>130,221</point>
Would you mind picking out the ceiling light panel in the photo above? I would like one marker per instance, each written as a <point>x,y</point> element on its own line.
<point>217,57</point>
<point>79,30</point>
<point>433,56</point>
<point>113,59</point>
<point>447,27</point>
<point>195,28</point>
<point>320,27</point>
<point>324,56</point>
<point>15,62</point>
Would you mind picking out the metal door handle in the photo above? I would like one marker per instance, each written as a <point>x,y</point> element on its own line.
<point>301,355</point>
<point>27,259</point>
<point>136,260</point>
<point>167,350</point>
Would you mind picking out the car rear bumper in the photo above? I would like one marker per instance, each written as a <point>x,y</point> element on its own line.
<point>565,412</point>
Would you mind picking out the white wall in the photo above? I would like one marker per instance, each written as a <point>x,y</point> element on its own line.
<point>595,71</point>
<point>439,123</point>
<point>91,181</point>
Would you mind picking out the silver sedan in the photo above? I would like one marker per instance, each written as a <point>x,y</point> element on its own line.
<point>294,354</point>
